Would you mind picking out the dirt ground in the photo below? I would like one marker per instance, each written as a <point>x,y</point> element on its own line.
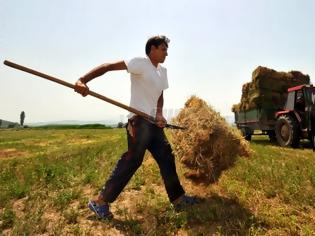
<point>11,153</point>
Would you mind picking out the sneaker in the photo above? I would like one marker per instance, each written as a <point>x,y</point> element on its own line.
<point>102,212</point>
<point>186,201</point>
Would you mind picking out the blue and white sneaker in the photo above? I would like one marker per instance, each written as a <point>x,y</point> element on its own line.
<point>101,211</point>
<point>186,201</point>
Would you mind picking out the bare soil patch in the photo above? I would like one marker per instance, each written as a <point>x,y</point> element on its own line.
<point>12,152</point>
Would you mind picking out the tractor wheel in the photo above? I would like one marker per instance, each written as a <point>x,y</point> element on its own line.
<point>287,131</point>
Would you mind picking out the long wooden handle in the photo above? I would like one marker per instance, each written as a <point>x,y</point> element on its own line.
<point>106,99</point>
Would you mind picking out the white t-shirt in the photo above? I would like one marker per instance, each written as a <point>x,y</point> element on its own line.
<point>147,84</point>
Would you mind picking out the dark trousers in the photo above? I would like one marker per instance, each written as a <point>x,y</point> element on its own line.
<point>143,135</point>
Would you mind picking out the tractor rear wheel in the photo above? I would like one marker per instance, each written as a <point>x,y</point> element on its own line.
<point>287,131</point>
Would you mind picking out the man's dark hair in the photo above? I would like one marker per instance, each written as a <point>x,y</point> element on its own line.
<point>156,41</point>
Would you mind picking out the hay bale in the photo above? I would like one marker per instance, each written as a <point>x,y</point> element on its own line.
<point>210,145</point>
<point>268,88</point>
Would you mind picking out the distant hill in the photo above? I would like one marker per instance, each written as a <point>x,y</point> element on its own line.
<point>110,123</point>
<point>8,124</point>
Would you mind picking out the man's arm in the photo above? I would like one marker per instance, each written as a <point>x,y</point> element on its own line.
<point>160,120</point>
<point>80,85</point>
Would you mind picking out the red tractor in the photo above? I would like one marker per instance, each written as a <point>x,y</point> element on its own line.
<point>297,120</point>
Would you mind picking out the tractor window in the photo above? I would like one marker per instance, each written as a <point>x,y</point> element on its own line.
<point>290,101</point>
<point>300,101</point>
<point>313,97</point>
<point>310,95</point>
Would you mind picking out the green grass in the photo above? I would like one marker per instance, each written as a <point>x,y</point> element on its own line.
<point>48,175</point>
<point>278,183</point>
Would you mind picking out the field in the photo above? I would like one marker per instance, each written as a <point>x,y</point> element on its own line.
<point>48,175</point>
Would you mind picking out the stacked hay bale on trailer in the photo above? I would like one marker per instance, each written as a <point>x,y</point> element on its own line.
<point>263,97</point>
<point>268,88</point>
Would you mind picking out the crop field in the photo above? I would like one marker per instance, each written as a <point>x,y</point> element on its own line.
<point>48,175</point>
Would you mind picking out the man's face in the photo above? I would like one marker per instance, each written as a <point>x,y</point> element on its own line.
<point>159,53</point>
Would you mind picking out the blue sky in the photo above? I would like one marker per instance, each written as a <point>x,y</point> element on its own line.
<point>215,46</point>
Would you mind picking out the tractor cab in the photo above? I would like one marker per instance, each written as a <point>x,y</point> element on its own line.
<point>297,119</point>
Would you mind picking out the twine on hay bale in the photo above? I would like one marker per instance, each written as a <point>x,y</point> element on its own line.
<point>209,145</point>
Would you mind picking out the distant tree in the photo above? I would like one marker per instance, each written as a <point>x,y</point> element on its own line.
<point>120,125</point>
<point>22,117</point>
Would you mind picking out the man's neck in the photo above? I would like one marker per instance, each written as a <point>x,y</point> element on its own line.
<point>154,62</point>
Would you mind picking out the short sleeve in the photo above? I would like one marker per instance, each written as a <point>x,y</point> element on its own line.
<point>165,79</point>
<point>135,65</point>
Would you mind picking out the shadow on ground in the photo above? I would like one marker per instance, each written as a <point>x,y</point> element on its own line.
<point>215,214</point>
<point>221,214</point>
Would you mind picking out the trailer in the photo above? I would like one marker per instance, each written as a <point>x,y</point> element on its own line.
<point>288,125</point>
<point>262,119</point>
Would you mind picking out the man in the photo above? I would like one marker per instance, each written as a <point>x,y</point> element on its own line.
<point>148,80</point>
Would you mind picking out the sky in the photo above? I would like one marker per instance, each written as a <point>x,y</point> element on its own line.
<point>215,45</point>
